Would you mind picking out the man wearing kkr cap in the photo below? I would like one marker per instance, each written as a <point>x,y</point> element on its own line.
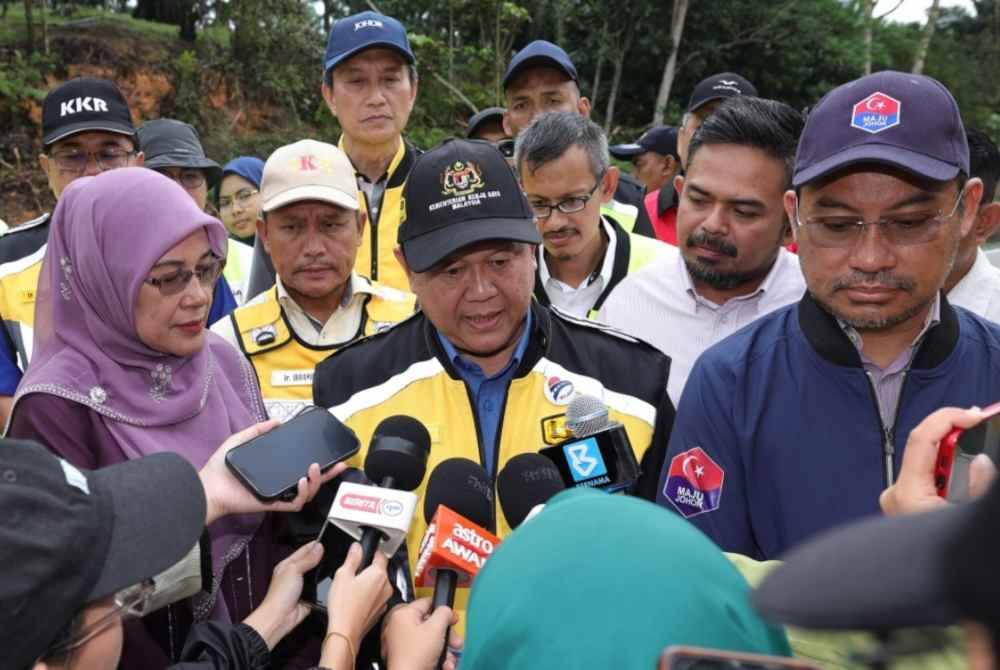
<point>706,97</point>
<point>796,423</point>
<point>486,369</point>
<point>311,227</point>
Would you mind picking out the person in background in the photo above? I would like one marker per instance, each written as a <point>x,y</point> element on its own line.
<point>174,149</point>
<point>311,227</point>
<point>238,197</point>
<point>974,282</point>
<point>567,175</point>
<point>542,78</point>
<point>487,124</point>
<point>730,268</point>
<point>656,162</point>
<point>705,98</point>
<point>86,129</point>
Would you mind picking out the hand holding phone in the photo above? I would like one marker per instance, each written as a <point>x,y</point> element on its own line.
<point>959,448</point>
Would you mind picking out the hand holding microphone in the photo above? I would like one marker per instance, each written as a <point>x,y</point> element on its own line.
<point>411,637</point>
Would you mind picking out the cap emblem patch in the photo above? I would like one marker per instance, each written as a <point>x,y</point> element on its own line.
<point>461,178</point>
<point>876,113</point>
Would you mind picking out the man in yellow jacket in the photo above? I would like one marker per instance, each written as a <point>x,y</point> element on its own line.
<point>311,226</point>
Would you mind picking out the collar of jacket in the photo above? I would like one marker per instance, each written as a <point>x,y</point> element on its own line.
<point>619,268</point>
<point>829,340</point>
<point>666,199</point>
<point>538,342</point>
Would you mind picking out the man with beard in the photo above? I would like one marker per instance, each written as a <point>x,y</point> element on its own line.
<point>798,422</point>
<point>731,267</point>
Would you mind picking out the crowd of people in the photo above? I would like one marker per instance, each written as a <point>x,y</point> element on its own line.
<point>783,311</point>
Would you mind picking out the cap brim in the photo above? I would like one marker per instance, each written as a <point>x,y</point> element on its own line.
<point>425,251</point>
<point>535,61</point>
<point>311,192</point>
<point>904,159</point>
<point>879,574</point>
<point>85,126</point>
<point>384,44</point>
<point>159,513</point>
<point>626,150</point>
<point>186,161</point>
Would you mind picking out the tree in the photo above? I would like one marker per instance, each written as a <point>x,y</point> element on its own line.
<point>925,38</point>
<point>670,69</point>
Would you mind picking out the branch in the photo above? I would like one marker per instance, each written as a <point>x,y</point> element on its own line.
<point>461,96</point>
<point>879,18</point>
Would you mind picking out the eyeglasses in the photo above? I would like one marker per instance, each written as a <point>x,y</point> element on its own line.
<point>129,603</point>
<point>241,198</point>
<point>175,282</point>
<point>506,147</point>
<point>836,232</point>
<point>567,205</point>
<point>76,161</point>
<point>189,178</point>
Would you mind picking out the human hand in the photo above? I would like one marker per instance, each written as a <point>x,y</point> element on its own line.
<point>281,611</point>
<point>355,602</point>
<point>412,637</point>
<point>227,495</point>
<point>914,490</point>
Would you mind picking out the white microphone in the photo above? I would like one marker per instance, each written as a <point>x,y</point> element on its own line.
<point>389,511</point>
<point>586,415</point>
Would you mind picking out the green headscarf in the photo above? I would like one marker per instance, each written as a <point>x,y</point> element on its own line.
<point>604,581</point>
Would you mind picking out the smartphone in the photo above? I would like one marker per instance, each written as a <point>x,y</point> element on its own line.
<point>604,461</point>
<point>271,465</point>
<point>697,658</point>
<point>959,447</point>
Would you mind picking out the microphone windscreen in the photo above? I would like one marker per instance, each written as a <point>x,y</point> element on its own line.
<point>586,415</point>
<point>528,480</point>
<point>463,486</point>
<point>399,449</point>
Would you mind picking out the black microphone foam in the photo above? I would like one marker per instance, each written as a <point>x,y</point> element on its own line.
<point>462,486</point>
<point>399,450</point>
<point>526,481</point>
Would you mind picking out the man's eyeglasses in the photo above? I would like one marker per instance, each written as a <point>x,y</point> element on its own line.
<point>902,230</point>
<point>566,205</point>
<point>108,158</point>
<point>189,178</point>
<point>175,282</point>
<point>129,603</point>
<point>241,198</point>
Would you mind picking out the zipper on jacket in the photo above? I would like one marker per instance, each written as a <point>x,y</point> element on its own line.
<point>373,226</point>
<point>888,432</point>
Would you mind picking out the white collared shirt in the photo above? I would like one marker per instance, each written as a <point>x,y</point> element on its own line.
<point>659,304</point>
<point>579,300</point>
<point>979,289</point>
<point>340,328</point>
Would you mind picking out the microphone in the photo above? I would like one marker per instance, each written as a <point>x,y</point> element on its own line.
<point>600,453</point>
<point>379,516</point>
<point>524,486</point>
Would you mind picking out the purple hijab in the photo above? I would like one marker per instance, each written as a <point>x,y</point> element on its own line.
<point>107,232</point>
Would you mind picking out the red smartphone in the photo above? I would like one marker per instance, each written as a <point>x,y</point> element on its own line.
<point>697,658</point>
<point>959,447</point>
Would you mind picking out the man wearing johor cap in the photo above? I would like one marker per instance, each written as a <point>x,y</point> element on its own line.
<point>656,162</point>
<point>311,226</point>
<point>542,78</point>
<point>488,371</point>
<point>796,423</point>
<point>707,95</point>
<point>86,129</point>
<point>174,149</point>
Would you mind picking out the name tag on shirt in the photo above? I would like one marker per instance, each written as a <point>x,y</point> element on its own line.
<point>292,378</point>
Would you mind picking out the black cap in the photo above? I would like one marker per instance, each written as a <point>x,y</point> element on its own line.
<point>893,572</point>
<point>528,480</point>
<point>484,116</point>
<point>69,536</point>
<point>539,53</point>
<point>457,194</point>
<point>719,86</point>
<point>171,143</point>
<point>85,104</point>
<point>462,486</point>
<point>661,139</point>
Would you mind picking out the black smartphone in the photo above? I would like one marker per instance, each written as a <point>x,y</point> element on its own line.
<point>959,447</point>
<point>604,461</point>
<point>271,465</point>
<point>695,658</point>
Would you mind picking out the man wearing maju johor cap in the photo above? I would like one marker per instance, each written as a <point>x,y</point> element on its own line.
<point>486,369</point>
<point>86,129</point>
<point>796,423</point>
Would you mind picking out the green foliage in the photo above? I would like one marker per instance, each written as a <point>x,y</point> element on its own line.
<point>21,80</point>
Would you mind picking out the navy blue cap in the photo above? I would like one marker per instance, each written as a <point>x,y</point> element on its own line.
<point>538,53</point>
<point>903,120</point>
<point>483,116</point>
<point>362,31</point>
<point>661,139</point>
<point>718,87</point>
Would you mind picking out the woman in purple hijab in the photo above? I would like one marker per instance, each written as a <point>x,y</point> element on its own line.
<point>124,366</point>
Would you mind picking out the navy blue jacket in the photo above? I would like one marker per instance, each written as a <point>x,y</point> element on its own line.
<point>778,435</point>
